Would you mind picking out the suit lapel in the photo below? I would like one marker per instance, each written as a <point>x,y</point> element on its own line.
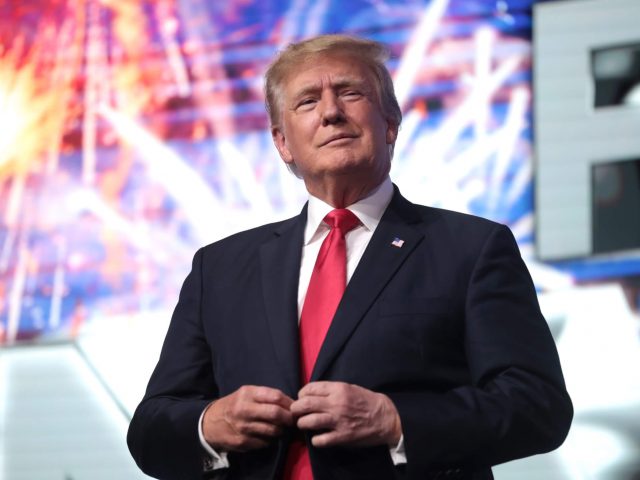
<point>280,264</point>
<point>379,263</point>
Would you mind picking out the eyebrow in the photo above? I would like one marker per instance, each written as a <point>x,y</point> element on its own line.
<point>339,83</point>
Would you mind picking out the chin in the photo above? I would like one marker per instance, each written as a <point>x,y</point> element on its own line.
<point>352,163</point>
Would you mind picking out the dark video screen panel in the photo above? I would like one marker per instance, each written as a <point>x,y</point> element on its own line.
<point>616,206</point>
<point>616,75</point>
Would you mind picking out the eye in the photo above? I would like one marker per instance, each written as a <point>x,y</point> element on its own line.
<point>306,102</point>
<point>351,94</point>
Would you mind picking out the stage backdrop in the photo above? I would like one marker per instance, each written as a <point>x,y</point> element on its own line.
<point>134,132</point>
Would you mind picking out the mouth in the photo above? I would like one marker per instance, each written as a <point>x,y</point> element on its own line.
<point>338,138</point>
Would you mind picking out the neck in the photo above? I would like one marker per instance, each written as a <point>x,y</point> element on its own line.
<point>341,194</point>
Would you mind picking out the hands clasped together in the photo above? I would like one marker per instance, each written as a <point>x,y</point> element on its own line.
<point>338,413</point>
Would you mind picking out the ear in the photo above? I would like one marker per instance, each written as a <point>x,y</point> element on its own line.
<point>280,142</point>
<point>392,132</point>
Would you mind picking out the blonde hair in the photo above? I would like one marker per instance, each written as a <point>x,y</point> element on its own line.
<point>371,54</point>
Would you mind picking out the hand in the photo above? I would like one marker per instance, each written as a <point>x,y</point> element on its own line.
<point>246,419</point>
<point>345,414</point>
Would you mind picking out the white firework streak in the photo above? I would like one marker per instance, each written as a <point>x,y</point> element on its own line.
<point>237,165</point>
<point>484,41</point>
<point>290,189</point>
<point>413,55</point>
<point>16,293</point>
<point>166,167</point>
<point>290,22</point>
<point>172,49</point>
<point>447,135</point>
<point>520,182</point>
<point>510,134</point>
<point>316,16</point>
<point>57,291</point>
<point>157,243</point>
<point>522,227</point>
<point>12,213</point>
<point>410,124</point>
<point>95,76</point>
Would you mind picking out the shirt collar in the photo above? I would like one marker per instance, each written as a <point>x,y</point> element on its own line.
<point>369,210</point>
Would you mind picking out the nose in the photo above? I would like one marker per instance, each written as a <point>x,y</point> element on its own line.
<point>331,109</point>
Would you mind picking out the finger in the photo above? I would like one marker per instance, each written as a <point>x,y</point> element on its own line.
<point>309,404</point>
<point>261,430</point>
<point>249,411</point>
<point>322,389</point>
<point>271,396</point>
<point>329,439</point>
<point>274,414</point>
<point>225,434</point>
<point>316,421</point>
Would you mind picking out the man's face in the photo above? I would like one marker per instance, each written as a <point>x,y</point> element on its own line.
<point>331,124</point>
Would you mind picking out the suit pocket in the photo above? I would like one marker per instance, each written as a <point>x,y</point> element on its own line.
<point>430,322</point>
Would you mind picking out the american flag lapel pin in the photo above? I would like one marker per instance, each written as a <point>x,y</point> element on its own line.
<point>397,242</point>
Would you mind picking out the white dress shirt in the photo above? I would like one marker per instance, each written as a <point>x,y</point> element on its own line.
<point>369,211</point>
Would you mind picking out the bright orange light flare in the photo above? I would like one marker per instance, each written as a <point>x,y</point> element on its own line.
<point>31,115</point>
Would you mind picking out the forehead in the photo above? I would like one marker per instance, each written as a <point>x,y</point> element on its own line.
<point>327,69</point>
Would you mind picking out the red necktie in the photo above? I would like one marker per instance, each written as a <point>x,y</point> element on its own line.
<point>327,284</point>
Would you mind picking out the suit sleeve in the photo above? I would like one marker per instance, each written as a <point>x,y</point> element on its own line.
<point>516,403</point>
<point>163,434</point>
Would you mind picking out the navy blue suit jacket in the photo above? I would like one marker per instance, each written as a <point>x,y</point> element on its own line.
<point>447,325</point>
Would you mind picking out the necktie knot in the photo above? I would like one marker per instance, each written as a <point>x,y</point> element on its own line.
<point>342,219</point>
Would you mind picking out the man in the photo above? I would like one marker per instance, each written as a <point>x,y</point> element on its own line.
<point>433,362</point>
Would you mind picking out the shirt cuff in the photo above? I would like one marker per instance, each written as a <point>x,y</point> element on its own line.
<point>214,460</point>
<point>398,456</point>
